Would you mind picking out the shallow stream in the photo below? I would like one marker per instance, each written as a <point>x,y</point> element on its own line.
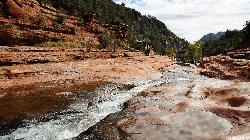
<point>87,110</point>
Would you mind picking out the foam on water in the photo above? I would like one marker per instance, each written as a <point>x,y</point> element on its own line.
<point>71,125</point>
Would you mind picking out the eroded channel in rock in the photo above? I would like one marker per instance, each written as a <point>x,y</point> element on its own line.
<point>185,106</point>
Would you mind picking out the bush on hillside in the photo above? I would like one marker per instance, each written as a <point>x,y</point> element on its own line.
<point>105,40</point>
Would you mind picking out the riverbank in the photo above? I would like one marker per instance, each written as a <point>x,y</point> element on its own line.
<point>184,106</point>
<point>161,100</point>
<point>37,93</point>
<point>119,69</point>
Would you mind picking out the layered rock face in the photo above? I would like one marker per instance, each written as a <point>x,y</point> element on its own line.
<point>26,9</point>
<point>30,23</point>
<point>233,65</point>
<point>19,55</point>
<point>20,9</point>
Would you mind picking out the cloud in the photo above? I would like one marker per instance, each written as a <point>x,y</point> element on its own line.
<point>191,19</point>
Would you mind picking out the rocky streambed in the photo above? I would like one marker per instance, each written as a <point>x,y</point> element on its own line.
<point>175,104</point>
<point>183,106</point>
<point>61,100</point>
<point>83,108</point>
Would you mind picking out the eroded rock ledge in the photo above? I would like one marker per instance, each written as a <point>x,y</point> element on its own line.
<point>233,65</point>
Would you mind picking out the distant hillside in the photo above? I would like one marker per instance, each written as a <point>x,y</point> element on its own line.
<point>211,37</point>
<point>215,44</point>
<point>140,27</point>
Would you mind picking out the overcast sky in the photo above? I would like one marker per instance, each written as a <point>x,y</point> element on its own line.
<point>191,19</point>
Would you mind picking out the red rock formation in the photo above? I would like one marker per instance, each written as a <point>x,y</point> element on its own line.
<point>234,65</point>
<point>30,23</point>
<point>20,8</point>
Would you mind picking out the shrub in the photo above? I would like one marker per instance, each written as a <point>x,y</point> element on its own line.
<point>56,25</point>
<point>40,21</point>
<point>88,45</point>
<point>1,14</point>
<point>81,21</point>
<point>46,2</point>
<point>59,21</point>
<point>116,44</point>
<point>105,40</point>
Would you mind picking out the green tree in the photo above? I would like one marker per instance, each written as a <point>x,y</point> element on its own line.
<point>140,27</point>
<point>246,32</point>
<point>194,52</point>
<point>171,52</point>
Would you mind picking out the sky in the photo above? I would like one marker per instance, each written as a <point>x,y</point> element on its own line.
<point>191,19</point>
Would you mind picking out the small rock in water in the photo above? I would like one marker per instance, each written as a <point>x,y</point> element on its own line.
<point>91,104</point>
<point>100,101</point>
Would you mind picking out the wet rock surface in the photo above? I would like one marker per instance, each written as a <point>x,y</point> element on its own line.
<point>31,102</point>
<point>184,106</point>
<point>52,100</point>
<point>44,93</point>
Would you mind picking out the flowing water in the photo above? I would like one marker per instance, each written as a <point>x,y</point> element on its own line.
<point>81,115</point>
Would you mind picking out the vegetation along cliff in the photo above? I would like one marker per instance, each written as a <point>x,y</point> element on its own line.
<point>223,42</point>
<point>140,27</point>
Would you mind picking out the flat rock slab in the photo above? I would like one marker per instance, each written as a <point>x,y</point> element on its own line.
<point>185,125</point>
<point>186,106</point>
